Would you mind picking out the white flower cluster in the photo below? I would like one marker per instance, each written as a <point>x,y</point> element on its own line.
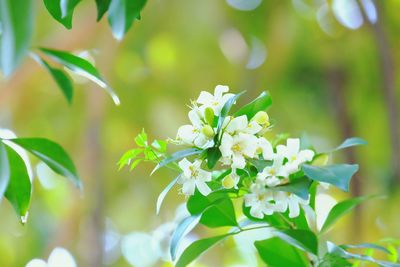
<point>238,140</point>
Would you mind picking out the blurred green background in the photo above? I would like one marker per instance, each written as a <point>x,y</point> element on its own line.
<point>329,66</point>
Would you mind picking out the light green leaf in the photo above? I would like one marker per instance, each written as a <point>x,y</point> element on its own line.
<point>303,239</point>
<point>276,252</point>
<point>19,187</point>
<point>298,187</point>
<point>176,156</point>
<point>160,145</point>
<point>102,7</point>
<point>128,156</point>
<point>62,10</point>
<point>261,103</point>
<point>186,226</point>
<point>61,77</point>
<point>338,175</point>
<point>353,141</point>
<point>52,154</point>
<point>141,139</point>
<point>341,209</point>
<point>16,22</point>
<point>197,248</point>
<point>122,13</point>
<point>81,67</point>
<point>162,195</point>
<point>4,170</point>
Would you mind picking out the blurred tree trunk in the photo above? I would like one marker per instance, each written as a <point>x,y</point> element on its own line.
<point>388,86</point>
<point>337,84</point>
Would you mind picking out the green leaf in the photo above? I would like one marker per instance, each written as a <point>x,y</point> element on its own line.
<point>338,175</point>
<point>184,227</point>
<point>52,154</point>
<point>141,139</point>
<point>261,103</point>
<point>81,67</point>
<point>160,145</point>
<point>16,22</point>
<point>226,108</point>
<point>128,156</point>
<point>367,245</point>
<point>341,209</point>
<point>62,10</point>
<point>213,155</point>
<point>332,260</point>
<point>303,239</point>
<point>4,170</point>
<point>298,187</point>
<point>122,13</point>
<point>19,187</point>
<point>276,253</point>
<point>353,141</point>
<point>217,209</point>
<point>176,156</point>
<point>102,7</point>
<point>162,195</point>
<point>61,77</point>
<point>197,248</point>
<point>336,250</point>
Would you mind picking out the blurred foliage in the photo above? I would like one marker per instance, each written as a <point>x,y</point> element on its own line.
<point>178,49</point>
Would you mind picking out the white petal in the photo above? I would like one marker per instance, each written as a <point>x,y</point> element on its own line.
<point>226,145</point>
<point>252,128</point>
<point>272,181</point>
<point>195,118</point>
<point>238,161</point>
<point>188,187</point>
<point>204,176</point>
<point>266,148</point>
<point>293,147</point>
<point>237,124</point>
<point>187,133</point>
<point>205,98</point>
<point>36,263</point>
<point>220,90</point>
<point>184,164</point>
<point>256,211</point>
<point>203,188</point>
<point>281,151</point>
<point>305,155</point>
<point>60,257</point>
<point>294,208</point>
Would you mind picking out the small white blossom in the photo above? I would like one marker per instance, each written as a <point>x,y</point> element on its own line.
<point>216,101</point>
<point>270,175</point>
<point>236,148</point>
<point>240,125</point>
<point>285,200</point>
<point>293,154</point>
<point>193,176</point>
<point>259,200</point>
<point>264,147</point>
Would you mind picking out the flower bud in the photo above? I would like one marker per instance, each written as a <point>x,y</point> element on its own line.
<point>209,115</point>
<point>228,182</point>
<point>320,160</point>
<point>261,118</point>
<point>208,131</point>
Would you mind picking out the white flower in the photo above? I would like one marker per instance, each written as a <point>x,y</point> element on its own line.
<point>216,101</point>
<point>195,134</point>
<point>285,200</point>
<point>270,175</point>
<point>193,176</point>
<point>293,154</point>
<point>238,147</point>
<point>264,147</point>
<point>259,200</point>
<point>240,125</point>
<point>59,257</point>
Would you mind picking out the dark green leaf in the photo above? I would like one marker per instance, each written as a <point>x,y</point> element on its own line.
<point>302,239</point>
<point>81,67</point>
<point>62,10</point>
<point>176,156</point>
<point>162,195</point>
<point>353,141</point>
<point>226,108</point>
<point>338,175</point>
<point>276,253</point>
<point>298,187</point>
<point>221,212</point>
<point>16,22</point>
<point>341,209</point>
<point>260,164</point>
<point>197,248</point>
<point>61,77</point>
<point>122,13</point>
<point>261,103</point>
<point>19,187</point>
<point>52,154</point>
<point>213,155</point>
<point>332,260</point>
<point>4,170</point>
<point>181,231</point>
<point>102,7</point>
